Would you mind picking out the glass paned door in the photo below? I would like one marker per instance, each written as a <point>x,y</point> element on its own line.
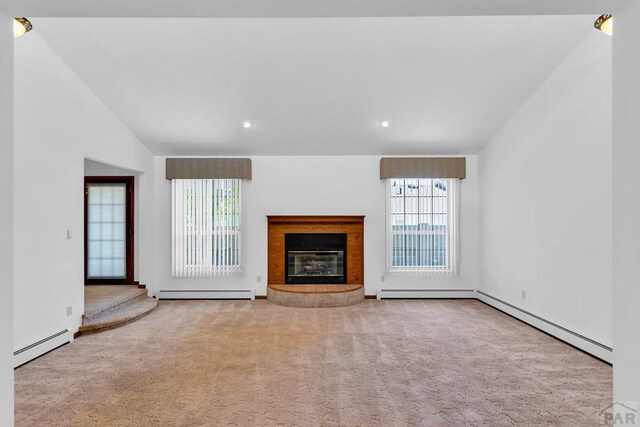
<point>108,230</point>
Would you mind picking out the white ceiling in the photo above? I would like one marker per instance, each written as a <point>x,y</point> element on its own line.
<point>314,86</point>
<point>303,8</point>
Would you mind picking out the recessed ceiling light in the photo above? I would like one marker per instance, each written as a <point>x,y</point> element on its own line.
<point>604,23</point>
<point>21,26</point>
<point>246,124</point>
<point>385,123</point>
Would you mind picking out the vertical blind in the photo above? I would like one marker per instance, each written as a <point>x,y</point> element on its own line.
<point>206,227</point>
<point>422,225</point>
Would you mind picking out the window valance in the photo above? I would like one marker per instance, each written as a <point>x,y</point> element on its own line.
<point>208,168</point>
<point>422,167</point>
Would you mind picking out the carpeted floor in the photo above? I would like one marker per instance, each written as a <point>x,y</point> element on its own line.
<point>387,363</point>
<point>102,297</point>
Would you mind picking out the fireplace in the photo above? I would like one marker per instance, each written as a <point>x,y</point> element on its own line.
<point>302,229</point>
<point>315,258</point>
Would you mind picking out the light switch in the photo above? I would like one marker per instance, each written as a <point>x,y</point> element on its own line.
<point>69,235</point>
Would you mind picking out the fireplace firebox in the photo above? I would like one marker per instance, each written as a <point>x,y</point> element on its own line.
<point>315,258</point>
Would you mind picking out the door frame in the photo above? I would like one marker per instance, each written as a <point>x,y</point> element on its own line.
<point>129,226</point>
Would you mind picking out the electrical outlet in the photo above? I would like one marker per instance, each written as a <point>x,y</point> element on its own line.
<point>259,279</point>
<point>69,311</point>
<point>524,294</point>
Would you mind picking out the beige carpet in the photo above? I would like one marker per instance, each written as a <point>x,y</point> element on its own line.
<point>98,298</point>
<point>111,306</point>
<point>389,363</point>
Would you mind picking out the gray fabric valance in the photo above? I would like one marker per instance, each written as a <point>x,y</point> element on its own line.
<point>208,168</point>
<point>423,167</point>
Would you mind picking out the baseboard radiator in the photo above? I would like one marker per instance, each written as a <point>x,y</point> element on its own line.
<point>573,338</point>
<point>249,294</point>
<point>425,293</point>
<point>599,350</point>
<point>37,349</point>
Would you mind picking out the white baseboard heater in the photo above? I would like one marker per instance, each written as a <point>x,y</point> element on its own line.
<point>573,338</point>
<point>249,294</point>
<point>425,293</point>
<point>37,349</point>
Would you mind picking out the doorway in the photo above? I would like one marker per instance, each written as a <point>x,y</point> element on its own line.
<point>108,230</point>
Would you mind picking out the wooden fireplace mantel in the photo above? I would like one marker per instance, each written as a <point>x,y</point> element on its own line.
<point>315,219</point>
<point>279,225</point>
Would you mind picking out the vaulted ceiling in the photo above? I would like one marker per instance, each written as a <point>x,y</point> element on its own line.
<point>311,85</point>
<point>302,8</point>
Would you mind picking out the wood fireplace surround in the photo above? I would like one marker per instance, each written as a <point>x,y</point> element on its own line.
<point>279,226</point>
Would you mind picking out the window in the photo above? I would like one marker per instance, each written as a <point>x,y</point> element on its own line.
<point>422,225</point>
<point>206,227</point>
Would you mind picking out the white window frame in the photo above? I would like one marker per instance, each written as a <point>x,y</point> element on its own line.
<point>451,233</point>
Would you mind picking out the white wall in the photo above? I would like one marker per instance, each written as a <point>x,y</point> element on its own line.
<point>58,123</point>
<point>626,204</point>
<point>347,185</point>
<point>6,219</point>
<point>546,197</point>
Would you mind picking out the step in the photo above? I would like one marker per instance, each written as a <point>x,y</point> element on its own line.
<point>124,314</point>
<point>100,300</point>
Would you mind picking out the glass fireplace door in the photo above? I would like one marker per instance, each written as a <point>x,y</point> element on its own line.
<point>316,263</point>
<point>315,258</point>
